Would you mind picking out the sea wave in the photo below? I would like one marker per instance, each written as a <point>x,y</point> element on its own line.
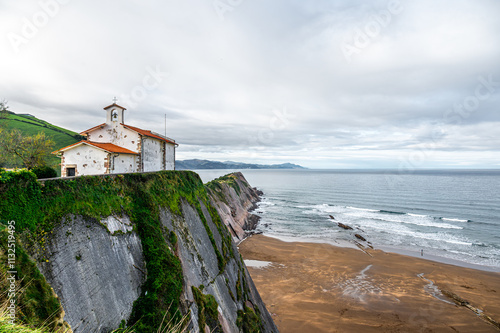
<point>391,212</point>
<point>417,215</point>
<point>381,215</point>
<point>442,238</point>
<point>363,209</point>
<point>453,220</point>
<point>457,242</point>
<point>421,223</point>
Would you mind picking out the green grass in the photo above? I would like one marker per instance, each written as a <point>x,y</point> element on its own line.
<point>31,126</point>
<point>163,285</point>
<point>248,321</point>
<point>7,327</point>
<point>36,304</point>
<point>207,311</point>
<point>38,208</point>
<point>229,179</point>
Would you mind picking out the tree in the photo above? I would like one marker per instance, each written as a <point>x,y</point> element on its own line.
<point>3,105</point>
<point>4,108</point>
<point>3,119</point>
<point>31,151</point>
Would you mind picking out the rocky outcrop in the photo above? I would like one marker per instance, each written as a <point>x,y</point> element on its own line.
<point>107,242</point>
<point>232,288</point>
<point>234,200</point>
<point>96,275</point>
<point>462,302</point>
<point>344,226</point>
<point>358,236</point>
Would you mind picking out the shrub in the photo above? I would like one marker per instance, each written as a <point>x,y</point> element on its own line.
<point>44,172</point>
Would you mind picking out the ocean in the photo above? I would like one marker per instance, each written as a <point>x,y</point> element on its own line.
<point>452,215</point>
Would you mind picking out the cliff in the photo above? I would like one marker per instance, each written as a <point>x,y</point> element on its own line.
<point>234,200</point>
<point>141,249</point>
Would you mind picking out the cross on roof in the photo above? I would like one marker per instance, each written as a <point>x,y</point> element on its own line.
<point>115,100</point>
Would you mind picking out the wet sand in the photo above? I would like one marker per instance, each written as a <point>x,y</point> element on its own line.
<point>312,287</point>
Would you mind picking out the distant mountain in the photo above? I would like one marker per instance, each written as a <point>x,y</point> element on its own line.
<point>205,164</point>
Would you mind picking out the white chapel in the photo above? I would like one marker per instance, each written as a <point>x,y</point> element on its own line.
<point>115,147</point>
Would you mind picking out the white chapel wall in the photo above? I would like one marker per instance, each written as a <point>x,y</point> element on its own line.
<point>117,135</point>
<point>170,156</point>
<point>152,154</point>
<point>123,163</point>
<point>87,159</point>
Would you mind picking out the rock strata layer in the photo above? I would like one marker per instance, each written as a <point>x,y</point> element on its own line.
<point>99,268</point>
<point>234,200</point>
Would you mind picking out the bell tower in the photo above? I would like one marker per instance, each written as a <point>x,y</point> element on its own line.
<point>114,113</point>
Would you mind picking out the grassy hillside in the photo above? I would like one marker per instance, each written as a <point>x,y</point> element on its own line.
<point>31,125</point>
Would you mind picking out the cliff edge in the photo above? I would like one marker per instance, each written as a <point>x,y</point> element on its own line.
<point>234,200</point>
<point>137,250</point>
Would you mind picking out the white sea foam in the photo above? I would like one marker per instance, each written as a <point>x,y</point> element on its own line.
<point>441,238</point>
<point>457,242</point>
<point>266,202</point>
<point>454,220</point>
<point>420,220</point>
<point>428,224</point>
<point>362,209</point>
<point>460,253</point>
<point>403,233</point>
<point>318,209</point>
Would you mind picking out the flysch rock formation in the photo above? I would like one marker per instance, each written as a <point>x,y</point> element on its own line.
<point>200,267</point>
<point>234,200</point>
<point>96,275</point>
<point>97,267</point>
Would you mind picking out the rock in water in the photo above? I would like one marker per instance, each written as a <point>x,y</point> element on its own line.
<point>344,226</point>
<point>259,192</point>
<point>358,236</point>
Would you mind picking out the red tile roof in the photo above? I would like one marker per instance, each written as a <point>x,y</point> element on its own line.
<point>136,129</point>
<point>114,104</point>
<point>109,147</point>
<point>93,128</point>
<point>149,133</point>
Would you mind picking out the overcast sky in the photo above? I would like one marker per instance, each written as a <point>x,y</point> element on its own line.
<point>324,83</point>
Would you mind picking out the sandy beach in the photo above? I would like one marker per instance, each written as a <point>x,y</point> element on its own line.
<point>311,287</point>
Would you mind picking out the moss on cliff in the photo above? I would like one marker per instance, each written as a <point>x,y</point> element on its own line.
<point>36,304</point>
<point>38,207</point>
<point>248,321</point>
<point>230,180</point>
<point>162,289</point>
<point>207,311</point>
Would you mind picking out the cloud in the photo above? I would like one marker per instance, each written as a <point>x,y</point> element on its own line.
<point>221,81</point>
